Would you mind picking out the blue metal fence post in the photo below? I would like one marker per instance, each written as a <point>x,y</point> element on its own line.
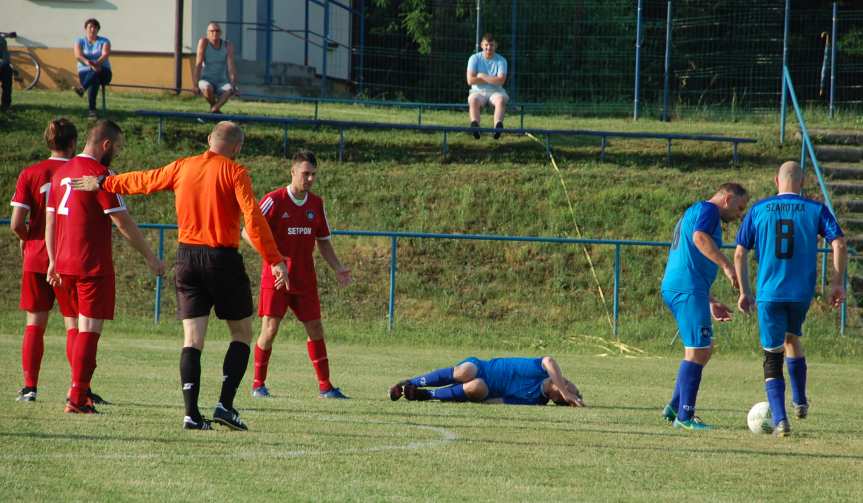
<point>362,43</point>
<point>833,57</point>
<point>637,60</point>
<point>616,289</point>
<point>325,48</point>
<point>268,48</point>
<point>803,158</point>
<point>667,81</point>
<point>513,51</point>
<point>306,37</point>
<point>157,309</point>
<point>783,106</point>
<point>843,312</point>
<point>391,307</point>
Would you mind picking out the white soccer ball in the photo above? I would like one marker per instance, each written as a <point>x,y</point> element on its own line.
<point>758,418</point>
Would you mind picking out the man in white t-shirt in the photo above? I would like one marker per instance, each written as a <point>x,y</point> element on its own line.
<point>486,73</point>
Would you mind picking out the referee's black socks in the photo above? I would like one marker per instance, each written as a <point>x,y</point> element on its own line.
<point>190,378</point>
<point>233,370</point>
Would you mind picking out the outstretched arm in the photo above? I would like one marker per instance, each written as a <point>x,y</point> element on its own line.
<point>134,182</point>
<point>741,269</point>
<point>129,229</point>
<point>571,396</point>
<point>837,277</point>
<point>52,277</point>
<point>343,274</point>
<point>708,248</point>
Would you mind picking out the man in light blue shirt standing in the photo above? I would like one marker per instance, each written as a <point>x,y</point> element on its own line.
<point>486,73</point>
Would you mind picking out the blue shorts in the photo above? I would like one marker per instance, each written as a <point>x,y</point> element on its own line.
<point>692,313</point>
<point>775,319</point>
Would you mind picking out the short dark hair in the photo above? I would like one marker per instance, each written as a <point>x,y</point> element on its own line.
<point>104,129</point>
<point>60,134</point>
<point>733,188</point>
<point>304,155</point>
<point>488,37</point>
<point>94,22</point>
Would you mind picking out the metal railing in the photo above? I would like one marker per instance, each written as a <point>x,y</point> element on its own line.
<point>394,237</point>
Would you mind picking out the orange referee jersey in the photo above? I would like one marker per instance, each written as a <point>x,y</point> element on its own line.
<point>210,192</point>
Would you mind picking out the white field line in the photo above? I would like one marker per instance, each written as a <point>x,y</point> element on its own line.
<point>445,436</point>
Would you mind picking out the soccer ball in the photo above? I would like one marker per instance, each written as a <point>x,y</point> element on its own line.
<point>758,418</point>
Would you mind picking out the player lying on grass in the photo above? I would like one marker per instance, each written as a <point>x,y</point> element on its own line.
<point>516,381</point>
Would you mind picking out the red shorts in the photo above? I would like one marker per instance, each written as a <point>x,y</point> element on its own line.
<point>36,294</point>
<point>91,296</point>
<point>275,303</point>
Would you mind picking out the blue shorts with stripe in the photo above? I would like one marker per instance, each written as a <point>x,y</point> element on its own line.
<point>775,319</point>
<point>692,313</point>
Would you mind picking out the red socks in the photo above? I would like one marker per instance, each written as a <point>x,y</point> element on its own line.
<point>83,366</point>
<point>32,348</point>
<point>262,360</point>
<point>318,356</point>
<point>71,333</point>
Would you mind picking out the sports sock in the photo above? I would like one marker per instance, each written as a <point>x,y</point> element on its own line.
<point>775,389</point>
<point>439,377</point>
<point>262,361</point>
<point>83,365</point>
<point>689,379</point>
<point>71,334</point>
<point>190,378</point>
<point>797,373</point>
<point>454,393</point>
<point>32,348</point>
<point>233,370</point>
<point>318,355</point>
<point>675,397</point>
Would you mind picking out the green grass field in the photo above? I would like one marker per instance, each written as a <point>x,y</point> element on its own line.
<point>300,448</point>
<point>453,300</point>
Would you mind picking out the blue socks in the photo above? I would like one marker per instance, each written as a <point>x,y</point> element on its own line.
<point>775,389</point>
<point>675,397</point>
<point>797,373</point>
<point>688,381</point>
<point>435,378</point>
<point>454,393</point>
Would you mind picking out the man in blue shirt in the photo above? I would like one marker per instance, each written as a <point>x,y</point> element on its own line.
<point>693,262</point>
<point>515,381</point>
<point>486,73</point>
<point>783,230</point>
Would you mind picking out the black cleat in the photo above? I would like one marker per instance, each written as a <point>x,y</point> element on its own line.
<point>98,400</point>
<point>499,128</point>
<point>475,124</point>
<point>200,424</point>
<point>801,410</point>
<point>26,394</point>
<point>783,429</point>
<point>414,393</point>
<point>228,417</point>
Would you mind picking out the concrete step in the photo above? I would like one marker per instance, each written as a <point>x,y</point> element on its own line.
<point>835,136</point>
<point>846,205</point>
<point>828,153</point>
<point>846,187</point>
<point>842,171</point>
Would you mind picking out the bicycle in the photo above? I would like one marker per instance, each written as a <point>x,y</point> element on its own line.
<point>25,69</point>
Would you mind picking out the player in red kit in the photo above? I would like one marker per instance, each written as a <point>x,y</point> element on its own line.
<point>37,296</point>
<point>299,222</point>
<point>78,239</point>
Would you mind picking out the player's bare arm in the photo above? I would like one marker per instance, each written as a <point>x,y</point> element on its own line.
<point>567,389</point>
<point>746,301</point>
<point>52,276</point>
<point>837,277</point>
<point>281,282</point>
<point>343,274</point>
<point>708,248</point>
<point>132,233</point>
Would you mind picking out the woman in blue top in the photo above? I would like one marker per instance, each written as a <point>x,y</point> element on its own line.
<point>94,68</point>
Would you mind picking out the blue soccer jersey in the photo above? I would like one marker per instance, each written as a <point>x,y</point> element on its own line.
<point>517,381</point>
<point>783,230</point>
<point>688,270</point>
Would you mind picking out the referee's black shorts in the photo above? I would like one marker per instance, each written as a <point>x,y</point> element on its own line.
<point>208,277</point>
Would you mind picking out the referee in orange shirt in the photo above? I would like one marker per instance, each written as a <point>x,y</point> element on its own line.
<point>211,192</point>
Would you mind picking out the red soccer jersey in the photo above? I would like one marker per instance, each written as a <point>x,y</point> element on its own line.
<point>31,193</point>
<point>296,226</point>
<point>82,225</point>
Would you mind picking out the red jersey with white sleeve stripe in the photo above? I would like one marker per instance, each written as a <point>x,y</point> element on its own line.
<point>31,193</point>
<point>297,224</point>
<point>82,222</point>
